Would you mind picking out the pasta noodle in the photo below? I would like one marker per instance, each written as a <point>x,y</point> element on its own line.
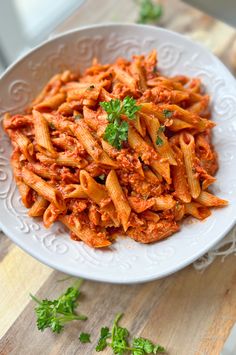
<point>119,149</point>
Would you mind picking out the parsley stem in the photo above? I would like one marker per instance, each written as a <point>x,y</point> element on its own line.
<point>68,318</point>
<point>35,299</point>
<point>78,283</point>
<point>117,318</point>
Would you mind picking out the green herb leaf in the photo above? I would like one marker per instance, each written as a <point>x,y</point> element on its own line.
<point>120,344</point>
<point>102,342</point>
<point>167,113</point>
<point>90,87</point>
<point>161,129</point>
<point>129,107</point>
<point>159,141</point>
<point>55,314</point>
<point>113,108</point>
<point>51,125</point>
<point>117,130</point>
<point>102,177</point>
<point>158,349</point>
<point>78,116</point>
<point>119,337</point>
<point>84,338</point>
<point>149,11</point>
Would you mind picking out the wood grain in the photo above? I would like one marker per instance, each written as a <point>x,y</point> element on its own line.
<point>191,313</point>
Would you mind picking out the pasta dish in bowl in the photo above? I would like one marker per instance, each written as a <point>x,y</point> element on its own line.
<point>117,148</point>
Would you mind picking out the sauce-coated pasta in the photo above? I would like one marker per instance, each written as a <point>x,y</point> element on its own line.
<point>119,149</point>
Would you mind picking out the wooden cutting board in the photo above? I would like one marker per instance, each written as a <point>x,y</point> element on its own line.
<point>188,312</point>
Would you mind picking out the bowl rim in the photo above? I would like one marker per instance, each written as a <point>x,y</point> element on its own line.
<point>86,275</point>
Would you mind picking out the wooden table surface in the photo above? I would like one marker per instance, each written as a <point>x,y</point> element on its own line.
<point>188,312</point>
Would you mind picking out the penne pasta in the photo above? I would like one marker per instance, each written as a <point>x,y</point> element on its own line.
<point>155,131</point>
<point>24,144</point>
<point>188,149</point>
<point>197,210</point>
<point>118,197</point>
<point>43,188</point>
<point>73,191</point>
<point>125,78</point>
<point>50,215</point>
<point>118,149</point>
<point>99,194</point>
<point>179,177</point>
<point>63,159</point>
<point>162,203</point>
<point>92,146</point>
<point>84,233</point>
<point>39,207</point>
<point>42,135</point>
<point>95,191</point>
<point>209,200</point>
<point>50,103</point>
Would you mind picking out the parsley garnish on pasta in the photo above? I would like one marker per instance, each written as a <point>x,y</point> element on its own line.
<point>117,130</point>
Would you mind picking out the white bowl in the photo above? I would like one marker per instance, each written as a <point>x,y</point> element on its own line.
<point>126,261</point>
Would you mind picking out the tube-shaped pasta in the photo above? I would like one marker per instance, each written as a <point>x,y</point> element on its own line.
<point>125,78</point>
<point>50,103</point>
<point>180,113</point>
<point>179,179</point>
<point>43,171</point>
<point>200,106</point>
<point>63,159</point>
<point>164,202</point>
<point>42,135</point>
<point>91,145</point>
<point>153,127</point>
<point>50,215</point>
<point>43,188</point>
<point>139,205</point>
<point>137,71</point>
<point>38,207</point>
<point>109,149</point>
<point>25,193</point>
<point>153,178</point>
<point>94,190</point>
<point>25,145</point>
<point>73,191</point>
<point>24,190</point>
<point>138,143</point>
<point>65,109</point>
<point>161,167</point>
<point>118,197</point>
<point>99,194</point>
<point>150,216</point>
<point>177,125</point>
<point>147,153</point>
<point>197,210</point>
<point>139,124</point>
<point>84,233</point>
<point>209,200</point>
<point>188,149</point>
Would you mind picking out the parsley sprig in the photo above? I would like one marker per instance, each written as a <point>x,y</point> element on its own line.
<point>117,130</point>
<point>55,314</point>
<point>120,344</point>
<point>84,338</point>
<point>149,11</point>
